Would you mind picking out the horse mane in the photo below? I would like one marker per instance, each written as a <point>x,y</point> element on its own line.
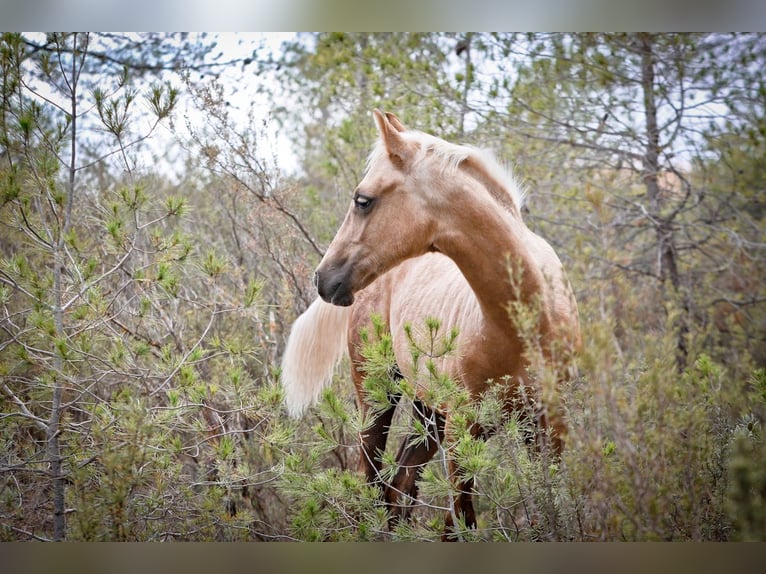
<point>452,156</point>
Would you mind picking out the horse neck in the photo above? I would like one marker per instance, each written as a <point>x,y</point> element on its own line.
<point>487,241</point>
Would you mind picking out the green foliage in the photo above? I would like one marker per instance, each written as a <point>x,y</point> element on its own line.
<point>143,313</point>
<point>126,417</point>
<point>334,505</point>
<point>628,422</point>
<point>380,383</point>
<point>747,485</point>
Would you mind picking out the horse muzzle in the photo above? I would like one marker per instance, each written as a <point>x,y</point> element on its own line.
<point>333,286</point>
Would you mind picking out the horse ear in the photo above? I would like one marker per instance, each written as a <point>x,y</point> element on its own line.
<point>396,122</point>
<point>398,149</point>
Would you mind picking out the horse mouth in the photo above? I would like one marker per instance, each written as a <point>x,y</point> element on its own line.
<point>344,299</point>
<point>339,295</point>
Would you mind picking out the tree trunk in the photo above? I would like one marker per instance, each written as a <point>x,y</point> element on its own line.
<point>53,445</point>
<point>667,265</point>
<point>464,47</point>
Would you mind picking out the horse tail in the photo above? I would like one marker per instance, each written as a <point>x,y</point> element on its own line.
<point>318,342</point>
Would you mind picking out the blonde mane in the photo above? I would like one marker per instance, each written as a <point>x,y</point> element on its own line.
<point>452,156</point>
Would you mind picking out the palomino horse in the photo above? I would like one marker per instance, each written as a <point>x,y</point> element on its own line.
<point>434,230</point>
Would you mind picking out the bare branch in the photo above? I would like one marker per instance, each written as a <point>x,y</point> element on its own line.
<point>40,422</point>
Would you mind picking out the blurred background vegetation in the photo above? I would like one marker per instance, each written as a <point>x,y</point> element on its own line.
<point>164,200</point>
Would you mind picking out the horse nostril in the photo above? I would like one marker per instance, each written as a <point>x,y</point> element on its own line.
<point>315,279</point>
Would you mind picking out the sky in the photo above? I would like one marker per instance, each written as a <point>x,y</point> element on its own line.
<point>240,85</point>
<point>241,96</point>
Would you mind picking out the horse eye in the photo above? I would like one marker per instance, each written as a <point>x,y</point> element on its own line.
<point>362,203</point>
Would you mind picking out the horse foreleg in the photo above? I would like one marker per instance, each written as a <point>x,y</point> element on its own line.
<point>373,440</point>
<point>414,452</point>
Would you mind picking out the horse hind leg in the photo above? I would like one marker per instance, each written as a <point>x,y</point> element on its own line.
<point>462,506</point>
<point>462,503</point>
<point>414,452</point>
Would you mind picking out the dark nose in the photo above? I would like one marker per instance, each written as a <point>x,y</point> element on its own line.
<point>325,284</point>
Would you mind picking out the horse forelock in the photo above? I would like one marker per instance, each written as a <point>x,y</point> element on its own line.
<point>451,156</point>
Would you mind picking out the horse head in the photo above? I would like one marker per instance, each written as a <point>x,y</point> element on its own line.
<point>388,221</point>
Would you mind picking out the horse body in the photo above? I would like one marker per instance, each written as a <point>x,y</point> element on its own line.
<point>427,286</point>
<point>434,230</point>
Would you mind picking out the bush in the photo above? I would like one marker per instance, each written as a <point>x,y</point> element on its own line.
<point>652,454</point>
